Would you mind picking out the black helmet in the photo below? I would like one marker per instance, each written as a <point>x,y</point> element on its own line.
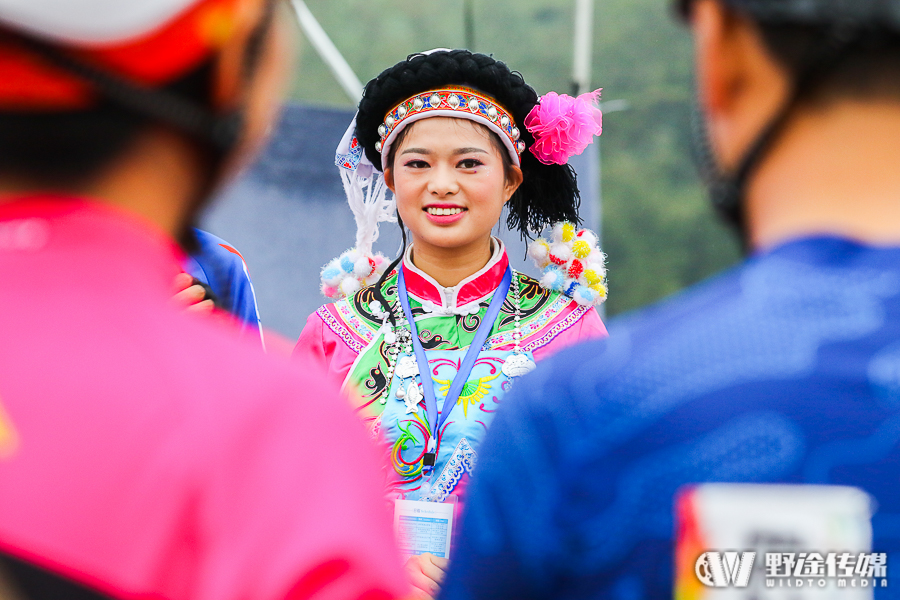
<point>844,25</point>
<point>866,13</point>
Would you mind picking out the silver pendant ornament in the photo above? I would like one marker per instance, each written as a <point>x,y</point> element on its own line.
<point>518,365</point>
<point>407,367</point>
<point>413,397</point>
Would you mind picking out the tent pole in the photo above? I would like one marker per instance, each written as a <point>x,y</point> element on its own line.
<point>584,25</point>
<point>333,58</point>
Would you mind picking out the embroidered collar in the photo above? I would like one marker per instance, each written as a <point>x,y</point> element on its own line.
<point>461,299</point>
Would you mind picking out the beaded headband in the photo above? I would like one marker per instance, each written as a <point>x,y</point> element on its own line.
<point>451,101</point>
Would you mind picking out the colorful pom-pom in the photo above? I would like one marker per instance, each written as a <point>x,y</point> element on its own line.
<point>560,254</point>
<point>348,273</point>
<point>581,249</point>
<point>539,251</point>
<point>553,278</point>
<point>587,236</point>
<point>332,274</point>
<point>363,267</point>
<point>576,268</point>
<point>556,233</point>
<point>350,286</point>
<point>592,277</point>
<point>572,263</point>
<point>597,259</point>
<point>585,296</point>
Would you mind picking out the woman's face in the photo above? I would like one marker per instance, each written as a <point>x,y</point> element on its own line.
<point>450,183</point>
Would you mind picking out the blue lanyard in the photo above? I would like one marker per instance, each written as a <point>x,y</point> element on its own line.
<point>465,368</point>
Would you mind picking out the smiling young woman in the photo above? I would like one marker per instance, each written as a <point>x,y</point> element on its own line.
<point>428,346</point>
<point>451,183</point>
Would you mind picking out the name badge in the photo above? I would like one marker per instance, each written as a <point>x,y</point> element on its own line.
<point>421,527</point>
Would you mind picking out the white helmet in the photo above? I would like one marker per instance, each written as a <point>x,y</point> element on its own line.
<point>90,22</point>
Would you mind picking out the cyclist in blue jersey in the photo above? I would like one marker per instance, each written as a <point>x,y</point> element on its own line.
<point>785,369</point>
<point>216,275</point>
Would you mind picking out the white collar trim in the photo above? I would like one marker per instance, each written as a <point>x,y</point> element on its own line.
<point>449,294</point>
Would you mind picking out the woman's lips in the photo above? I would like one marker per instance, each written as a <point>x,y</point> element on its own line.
<point>444,214</point>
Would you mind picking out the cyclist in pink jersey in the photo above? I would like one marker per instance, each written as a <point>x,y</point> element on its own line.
<point>146,452</point>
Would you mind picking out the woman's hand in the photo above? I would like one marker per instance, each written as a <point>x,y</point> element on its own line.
<point>426,573</point>
<point>190,295</point>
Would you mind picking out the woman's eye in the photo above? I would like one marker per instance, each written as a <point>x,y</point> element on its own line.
<point>417,164</point>
<point>469,163</point>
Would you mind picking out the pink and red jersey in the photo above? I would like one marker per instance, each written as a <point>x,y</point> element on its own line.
<point>150,453</point>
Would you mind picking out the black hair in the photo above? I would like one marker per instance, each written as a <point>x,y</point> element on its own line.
<point>869,68</point>
<point>68,148</point>
<point>794,34</point>
<point>549,193</point>
<point>829,50</point>
<point>387,273</point>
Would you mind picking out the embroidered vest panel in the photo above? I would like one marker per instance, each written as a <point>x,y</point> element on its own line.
<point>544,314</point>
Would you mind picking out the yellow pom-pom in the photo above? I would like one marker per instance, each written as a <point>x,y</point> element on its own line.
<point>568,232</point>
<point>593,278</point>
<point>539,250</point>
<point>599,288</point>
<point>581,249</point>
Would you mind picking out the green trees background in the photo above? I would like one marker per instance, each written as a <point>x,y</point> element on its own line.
<point>658,229</point>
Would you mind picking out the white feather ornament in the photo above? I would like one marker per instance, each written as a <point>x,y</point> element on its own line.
<point>367,195</point>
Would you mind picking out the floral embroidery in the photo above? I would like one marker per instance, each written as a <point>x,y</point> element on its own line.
<point>358,326</point>
<point>558,328</point>
<point>339,330</point>
<point>533,326</point>
<point>462,462</point>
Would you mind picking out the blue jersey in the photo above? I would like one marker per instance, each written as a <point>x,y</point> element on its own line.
<point>222,268</point>
<point>784,369</point>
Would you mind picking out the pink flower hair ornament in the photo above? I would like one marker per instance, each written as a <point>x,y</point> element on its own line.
<point>563,126</point>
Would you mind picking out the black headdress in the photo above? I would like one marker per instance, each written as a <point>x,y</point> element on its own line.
<point>548,194</point>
